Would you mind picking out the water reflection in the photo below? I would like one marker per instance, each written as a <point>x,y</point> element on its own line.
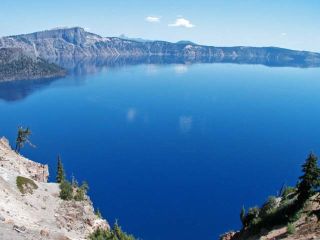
<point>185,123</point>
<point>92,65</point>
<point>131,114</point>
<point>181,68</point>
<point>17,90</point>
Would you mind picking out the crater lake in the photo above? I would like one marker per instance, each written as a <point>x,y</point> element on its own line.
<point>171,151</point>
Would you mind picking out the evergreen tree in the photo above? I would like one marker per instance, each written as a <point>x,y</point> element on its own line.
<point>309,181</point>
<point>22,138</point>
<point>66,190</point>
<point>60,171</point>
<point>243,216</point>
<point>117,230</point>
<point>111,234</point>
<point>74,182</point>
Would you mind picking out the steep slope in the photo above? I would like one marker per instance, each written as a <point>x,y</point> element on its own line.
<point>60,45</point>
<point>15,64</point>
<point>38,212</point>
<point>306,227</point>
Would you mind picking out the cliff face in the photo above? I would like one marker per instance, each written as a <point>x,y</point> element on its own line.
<point>38,212</point>
<point>15,64</point>
<point>13,162</point>
<point>61,45</point>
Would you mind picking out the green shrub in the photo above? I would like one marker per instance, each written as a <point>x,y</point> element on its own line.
<point>25,185</point>
<point>280,216</point>
<point>269,206</point>
<point>252,214</point>
<point>98,213</point>
<point>113,234</point>
<point>291,206</point>
<point>79,196</point>
<point>255,221</point>
<point>291,229</point>
<point>74,182</point>
<point>288,192</point>
<point>295,216</point>
<point>71,190</point>
<point>81,192</point>
<point>66,190</point>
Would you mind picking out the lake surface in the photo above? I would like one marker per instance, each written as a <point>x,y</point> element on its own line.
<point>172,151</point>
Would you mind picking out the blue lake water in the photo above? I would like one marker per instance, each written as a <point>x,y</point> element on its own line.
<point>172,151</point>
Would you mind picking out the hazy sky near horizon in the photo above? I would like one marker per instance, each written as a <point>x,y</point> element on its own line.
<point>284,23</point>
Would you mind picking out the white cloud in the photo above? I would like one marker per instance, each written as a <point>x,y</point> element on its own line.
<point>152,19</point>
<point>131,114</point>
<point>152,69</point>
<point>182,22</point>
<point>180,68</point>
<point>284,34</point>
<point>185,123</point>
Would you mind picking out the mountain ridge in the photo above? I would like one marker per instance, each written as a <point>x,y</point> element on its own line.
<point>142,40</point>
<point>75,43</point>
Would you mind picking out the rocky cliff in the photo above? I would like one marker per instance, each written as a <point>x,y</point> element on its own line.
<point>34,210</point>
<point>63,45</point>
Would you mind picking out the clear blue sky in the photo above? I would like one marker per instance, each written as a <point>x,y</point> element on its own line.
<point>285,23</point>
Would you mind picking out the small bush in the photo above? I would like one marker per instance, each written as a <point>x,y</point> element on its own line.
<point>98,213</point>
<point>81,192</point>
<point>66,190</point>
<point>291,229</point>
<point>69,191</point>
<point>269,206</point>
<point>252,215</point>
<point>288,192</point>
<point>296,216</point>
<point>80,195</point>
<point>113,234</point>
<point>25,185</point>
<point>280,216</point>
<point>255,222</point>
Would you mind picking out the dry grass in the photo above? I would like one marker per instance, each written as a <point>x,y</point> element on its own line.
<point>26,185</point>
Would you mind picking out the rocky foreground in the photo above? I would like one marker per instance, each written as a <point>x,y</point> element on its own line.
<point>34,210</point>
<point>306,227</point>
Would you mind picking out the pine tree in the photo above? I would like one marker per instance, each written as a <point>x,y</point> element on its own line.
<point>22,138</point>
<point>60,171</point>
<point>74,182</point>
<point>243,216</point>
<point>66,190</point>
<point>117,230</point>
<point>309,181</point>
